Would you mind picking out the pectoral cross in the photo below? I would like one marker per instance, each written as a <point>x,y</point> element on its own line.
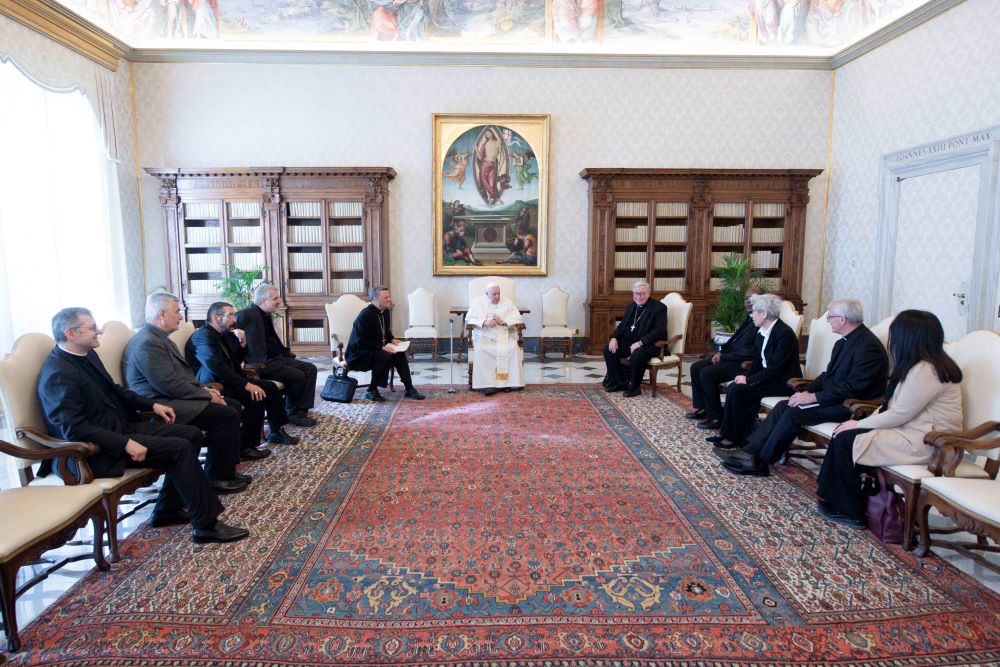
<point>632,328</point>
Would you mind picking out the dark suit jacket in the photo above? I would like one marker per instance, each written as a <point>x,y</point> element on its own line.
<point>858,368</point>
<point>217,357</point>
<point>260,331</point>
<point>77,408</point>
<point>650,327</point>
<point>154,367</point>
<point>782,354</point>
<point>740,347</point>
<point>366,337</point>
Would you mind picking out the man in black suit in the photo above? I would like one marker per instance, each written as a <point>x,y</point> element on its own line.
<point>81,403</point>
<point>274,361</point>
<point>775,362</point>
<point>153,367</point>
<point>858,368</point>
<point>722,366</point>
<point>215,352</point>
<point>645,322</point>
<point>370,347</point>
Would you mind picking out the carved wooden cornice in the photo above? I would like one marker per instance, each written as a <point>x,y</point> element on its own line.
<point>62,26</point>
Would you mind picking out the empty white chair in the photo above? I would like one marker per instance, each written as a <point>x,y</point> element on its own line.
<point>422,319</point>
<point>555,322</point>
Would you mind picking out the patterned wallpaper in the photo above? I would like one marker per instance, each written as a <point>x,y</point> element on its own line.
<point>939,80</point>
<point>59,68</point>
<point>194,115</point>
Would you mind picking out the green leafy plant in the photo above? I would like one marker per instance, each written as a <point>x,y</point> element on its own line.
<point>237,285</point>
<point>737,277</point>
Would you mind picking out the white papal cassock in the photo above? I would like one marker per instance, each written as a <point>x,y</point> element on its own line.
<point>497,358</point>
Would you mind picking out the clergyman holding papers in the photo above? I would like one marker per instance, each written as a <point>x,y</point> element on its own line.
<point>497,358</point>
<point>372,347</point>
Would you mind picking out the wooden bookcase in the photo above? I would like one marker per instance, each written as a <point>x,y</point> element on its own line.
<point>321,232</point>
<point>671,226</point>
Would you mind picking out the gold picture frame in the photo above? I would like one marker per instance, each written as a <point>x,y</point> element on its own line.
<point>491,188</point>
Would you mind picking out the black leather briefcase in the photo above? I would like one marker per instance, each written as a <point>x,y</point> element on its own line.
<point>339,387</point>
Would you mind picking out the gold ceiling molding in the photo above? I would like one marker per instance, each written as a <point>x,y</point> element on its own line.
<point>58,24</point>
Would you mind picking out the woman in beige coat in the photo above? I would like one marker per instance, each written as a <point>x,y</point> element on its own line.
<point>923,395</point>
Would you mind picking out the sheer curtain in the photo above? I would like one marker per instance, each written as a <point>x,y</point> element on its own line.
<point>61,238</point>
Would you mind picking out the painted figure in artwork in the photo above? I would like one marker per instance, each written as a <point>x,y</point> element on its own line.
<point>522,169</point>
<point>457,247</point>
<point>488,154</point>
<point>177,22</point>
<point>458,167</point>
<point>575,20</point>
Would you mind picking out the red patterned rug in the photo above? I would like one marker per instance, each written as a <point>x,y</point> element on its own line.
<point>557,526</point>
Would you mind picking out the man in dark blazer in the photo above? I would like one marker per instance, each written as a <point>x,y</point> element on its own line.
<point>775,362</point>
<point>273,359</point>
<point>153,367</point>
<point>723,366</point>
<point>80,402</point>
<point>645,322</point>
<point>858,368</point>
<point>370,346</point>
<point>215,352</point>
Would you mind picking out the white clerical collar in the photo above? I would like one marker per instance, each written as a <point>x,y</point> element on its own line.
<point>765,331</point>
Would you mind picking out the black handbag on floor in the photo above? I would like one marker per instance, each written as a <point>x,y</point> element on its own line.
<point>339,387</point>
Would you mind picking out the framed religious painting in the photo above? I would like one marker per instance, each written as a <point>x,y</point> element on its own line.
<point>491,188</point>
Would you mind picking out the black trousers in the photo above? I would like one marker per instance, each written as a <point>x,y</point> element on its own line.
<point>254,411</point>
<point>173,449</point>
<point>705,379</point>
<point>840,478</point>
<point>773,436</point>
<point>381,362</point>
<point>638,361</point>
<point>742,406</point>
<point>221,424</point>
<point>299,378</point>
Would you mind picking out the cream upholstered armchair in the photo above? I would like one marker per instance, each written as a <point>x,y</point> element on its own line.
<point>672,348</point>
<point>19,373</point>
<point>792,317</point>
<point>555,323</point>
<point>477,287</point>
<point>422,316</point>
<point>181,336</point>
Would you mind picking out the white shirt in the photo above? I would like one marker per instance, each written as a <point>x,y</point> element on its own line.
<point>766,333</point>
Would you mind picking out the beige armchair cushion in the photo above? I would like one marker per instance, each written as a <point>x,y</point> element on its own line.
<point>33,512</point>
<point>979,498</point>
<point>916,472</point>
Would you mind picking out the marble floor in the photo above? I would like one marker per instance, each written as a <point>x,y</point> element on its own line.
<point>579,369</point>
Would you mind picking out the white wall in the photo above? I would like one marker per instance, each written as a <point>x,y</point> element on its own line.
<point>938,80</point>
<point>209,115</point>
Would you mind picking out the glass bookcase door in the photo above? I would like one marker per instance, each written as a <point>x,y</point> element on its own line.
<point>767,241</point>
<point>631,245</point>
<point>670,247</point>
<point>203,246</point>
<point>304,242</point>
<point>346,247</point>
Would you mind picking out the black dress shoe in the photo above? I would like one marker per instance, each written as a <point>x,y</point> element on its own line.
<point>708,425</point>
<point>728,455</point>
<point>302,420</point>
<point>612,388</point>
<point>243,478</point>
<point>722,444</point>
<point>221,532</point>
<point>830,513</point>
<point>253,454</point>
<point>632,393</point>
<point>489,391</point>
<point>281,437</point>
<point>697,414</point>
<point>373,395</point>
<point>714,439</point>
<point>178,518</point>
<point>414,394</point>
<point>752,469</point>
<point>224,486</point>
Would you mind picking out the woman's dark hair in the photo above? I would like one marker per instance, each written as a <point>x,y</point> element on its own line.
<point>915,336</point>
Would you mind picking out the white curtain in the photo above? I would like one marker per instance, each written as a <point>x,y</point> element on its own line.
<point>61,241</point>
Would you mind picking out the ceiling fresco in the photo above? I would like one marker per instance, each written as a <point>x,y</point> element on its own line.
<point>767,27</point>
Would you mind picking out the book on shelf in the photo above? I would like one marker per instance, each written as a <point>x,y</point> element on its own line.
<point>346,234</point>
<point>305,234</point>
<point>346,261</point>
<point>630,259</point>
<point>345,209</point>
<point>769,210</point>
<point>768,235</point>
<point>202,286</point>
<point>203,235</point>
<point>247,260</point>
<point>201,210</point>
<point>305,209</point>
<point>244,233</point>
<point>728,234</point>
<point>671,234</point>
<point>347,285</point>
<point>668,284</point>
<point>765,259</point>
<point>210,262</point>
<point>305,285</point>
<point>670,260</point>
<point>244,210</point>
<point>630,234</point>
<point>308,335</point>
<point>632,209</point>
<point>671,209</point>
<point>305,261</point>
<point>729,210</point>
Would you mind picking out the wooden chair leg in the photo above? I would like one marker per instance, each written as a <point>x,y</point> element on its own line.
<point>680,375</point>
<point>8,593</point>
<point>653,370</point>
<point>110,504</point>
<point>434,349</point>
<point>541,349</point>
<point>923,509</point>
<point>910,493</point>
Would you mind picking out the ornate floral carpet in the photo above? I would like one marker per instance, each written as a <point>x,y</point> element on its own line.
<point>557,526</point>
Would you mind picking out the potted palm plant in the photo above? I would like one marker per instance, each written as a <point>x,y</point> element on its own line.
<point>237,285</point>
<point>737,277</point>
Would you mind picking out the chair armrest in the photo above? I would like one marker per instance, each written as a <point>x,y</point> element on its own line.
<point>797,383</point>
<point>971,434</point>
<point>952,447</point>
<point>59,450</point>
<point>861,409</point>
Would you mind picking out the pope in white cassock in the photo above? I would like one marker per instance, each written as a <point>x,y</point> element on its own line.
<point>497,358</point>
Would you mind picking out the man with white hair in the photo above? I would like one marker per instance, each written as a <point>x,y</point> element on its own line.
<point>497,358</point>
<point>273,359</point>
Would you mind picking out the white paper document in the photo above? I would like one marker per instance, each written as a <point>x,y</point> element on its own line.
<point>400,347</point>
